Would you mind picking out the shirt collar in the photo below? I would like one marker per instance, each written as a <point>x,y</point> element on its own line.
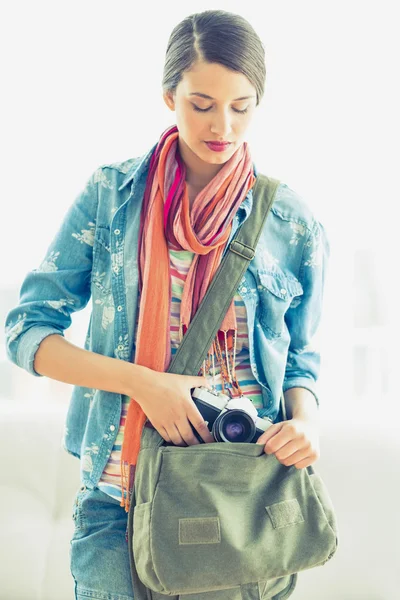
<point>138,167</point>
<point>245,208</point>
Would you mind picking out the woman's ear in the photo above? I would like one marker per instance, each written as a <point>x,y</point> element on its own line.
<point>169,99</point>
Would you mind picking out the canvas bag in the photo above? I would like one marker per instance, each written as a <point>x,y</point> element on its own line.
<point>224,521</point>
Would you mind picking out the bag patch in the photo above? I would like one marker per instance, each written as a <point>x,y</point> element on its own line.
<point>202,530</point>
<point>285,513</point>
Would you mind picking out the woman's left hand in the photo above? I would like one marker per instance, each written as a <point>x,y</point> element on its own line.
<point>294,442</point>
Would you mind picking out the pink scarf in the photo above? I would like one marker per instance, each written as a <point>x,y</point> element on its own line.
<point>204,229</point>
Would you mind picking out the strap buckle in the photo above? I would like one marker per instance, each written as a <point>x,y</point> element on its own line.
<point>244,251</point>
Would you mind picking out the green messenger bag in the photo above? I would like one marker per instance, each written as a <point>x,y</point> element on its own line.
<point>224,521</point>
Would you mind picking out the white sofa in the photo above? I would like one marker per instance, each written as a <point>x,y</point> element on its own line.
<point>360,466</point>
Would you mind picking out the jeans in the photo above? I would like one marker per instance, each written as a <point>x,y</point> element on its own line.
<point>99,559</point>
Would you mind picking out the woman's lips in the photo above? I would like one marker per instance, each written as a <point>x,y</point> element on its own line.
<point>218,147</point>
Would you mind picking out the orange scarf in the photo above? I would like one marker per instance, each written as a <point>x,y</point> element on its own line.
<point>204,229</point>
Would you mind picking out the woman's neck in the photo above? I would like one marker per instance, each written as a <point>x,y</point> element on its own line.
<point>193,191</point>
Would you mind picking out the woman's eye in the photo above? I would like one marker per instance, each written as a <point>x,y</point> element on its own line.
<point>201,109</point>
<point>207,109</point>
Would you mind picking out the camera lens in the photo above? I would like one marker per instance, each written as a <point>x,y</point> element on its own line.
<point>234,426</point>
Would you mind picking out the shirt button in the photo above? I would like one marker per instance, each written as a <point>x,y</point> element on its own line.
<point>112,427</point>
<point>283,291</point>
<point>116,269</point>
<point>119,308</point>
<point>117,231</point>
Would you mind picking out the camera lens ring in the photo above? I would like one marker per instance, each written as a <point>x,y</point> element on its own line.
<point>225,419</point>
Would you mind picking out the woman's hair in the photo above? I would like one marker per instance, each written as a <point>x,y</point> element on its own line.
<point>215,36</point>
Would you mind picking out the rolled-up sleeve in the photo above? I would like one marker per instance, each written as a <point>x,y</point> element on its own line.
<point>59,286</point>
<point>304,315</point>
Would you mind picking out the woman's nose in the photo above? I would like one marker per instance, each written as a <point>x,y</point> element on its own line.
<point>221,127</point>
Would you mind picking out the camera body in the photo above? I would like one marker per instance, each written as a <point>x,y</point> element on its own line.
<point>229,419</point>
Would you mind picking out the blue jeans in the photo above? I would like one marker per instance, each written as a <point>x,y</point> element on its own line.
<point>99,558</point>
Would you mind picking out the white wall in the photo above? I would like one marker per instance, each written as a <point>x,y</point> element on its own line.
<point>83,88</point>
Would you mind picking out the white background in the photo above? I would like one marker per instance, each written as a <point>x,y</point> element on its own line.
<point>82,87</point>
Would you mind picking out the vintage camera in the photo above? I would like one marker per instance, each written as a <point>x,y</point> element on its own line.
<point>229,419</point>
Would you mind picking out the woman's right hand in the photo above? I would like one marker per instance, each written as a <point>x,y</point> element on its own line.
<point>166,400</point>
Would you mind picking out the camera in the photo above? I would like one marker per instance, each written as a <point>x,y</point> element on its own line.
<point>229,419</point>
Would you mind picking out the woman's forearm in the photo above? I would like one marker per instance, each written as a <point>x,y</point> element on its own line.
<point>59,359</point>
<point>301,403</point>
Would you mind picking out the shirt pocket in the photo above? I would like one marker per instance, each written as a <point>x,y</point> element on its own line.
<point>78,515</point>
<point>102,261</point>
<point>276,292</point>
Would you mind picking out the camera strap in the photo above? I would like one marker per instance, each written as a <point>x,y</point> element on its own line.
<point>203,328</point>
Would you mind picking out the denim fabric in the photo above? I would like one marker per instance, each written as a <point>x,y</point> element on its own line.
<point>94,256</point>
<point>99,559</point>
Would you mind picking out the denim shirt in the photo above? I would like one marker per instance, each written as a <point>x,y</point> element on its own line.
<point>94,255</point>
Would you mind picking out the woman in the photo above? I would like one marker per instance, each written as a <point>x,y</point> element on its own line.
<point>144,239</point>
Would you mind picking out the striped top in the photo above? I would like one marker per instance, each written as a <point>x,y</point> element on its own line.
<point>180,262</point>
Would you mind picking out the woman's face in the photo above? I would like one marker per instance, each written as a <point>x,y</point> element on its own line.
<point>228,109</point>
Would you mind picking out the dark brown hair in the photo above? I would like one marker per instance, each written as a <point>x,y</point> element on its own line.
<point>215,36</point>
